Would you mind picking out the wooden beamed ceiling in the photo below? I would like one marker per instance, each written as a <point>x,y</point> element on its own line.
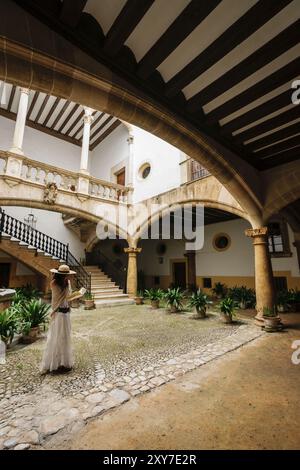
<point>226,67</point>
<point>57,117</point>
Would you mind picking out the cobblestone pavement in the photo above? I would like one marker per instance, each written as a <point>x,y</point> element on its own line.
<point>53,405</point>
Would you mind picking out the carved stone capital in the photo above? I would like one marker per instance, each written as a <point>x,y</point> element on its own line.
<point>130,139</point>
<point>132,250</point>
<point>88,119</point>
<point>256,232</point>
<point>25,90</point>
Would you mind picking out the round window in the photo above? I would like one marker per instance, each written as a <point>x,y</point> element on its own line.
<point>144,171</point>
<point>221,242</point>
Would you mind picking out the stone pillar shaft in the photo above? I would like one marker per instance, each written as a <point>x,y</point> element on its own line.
<point>132,270</point>
<point>17,145</point>
<point>87,119</point>
<point>264,282</point>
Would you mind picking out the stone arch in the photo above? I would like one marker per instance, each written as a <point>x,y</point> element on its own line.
<point>71,74</point>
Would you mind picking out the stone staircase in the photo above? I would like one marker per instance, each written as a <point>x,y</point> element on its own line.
<point>104,290</point>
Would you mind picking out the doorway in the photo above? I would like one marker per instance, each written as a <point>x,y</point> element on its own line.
<point>121,177</point>
<point>4,274</point>
<point>179,274</point>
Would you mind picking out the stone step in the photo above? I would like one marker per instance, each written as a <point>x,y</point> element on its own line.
<point>115,290</point>
<point>110,296</point>
<point>113,303</point>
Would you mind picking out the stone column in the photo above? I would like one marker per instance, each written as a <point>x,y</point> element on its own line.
<point>297,246</point>
<point>17,146</point>
<point>87,119</point>
<point>191,269</point>
<point>264,282</point>
<point>132,270</point>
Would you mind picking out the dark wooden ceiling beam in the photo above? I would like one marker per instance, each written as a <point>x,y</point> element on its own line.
<point>251,64</point>
<point>280,159</point>
<point>43,105</point>
<point>104,123</point>
<point>96,121</point>
<point>74,124</point>
<point>268,84</point>
<point>11,98</point>
<point>105,134</point>
<point>250,22</point>
<point>32,104</point>
<point>269,125</point>
<point>71,11</point>
<point>39,127</point>
<point>68,117</point>
<point>185,23</point>
<point>270,106</point>
<point>279,147</point>
<point>51,111</point>
<point>274,137</point>
<point>128,18</point>
<point>60,114</point>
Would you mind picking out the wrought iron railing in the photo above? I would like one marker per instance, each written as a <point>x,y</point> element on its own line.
<point>197,171</point>
<point>119,275</point>
<point>14,228</point>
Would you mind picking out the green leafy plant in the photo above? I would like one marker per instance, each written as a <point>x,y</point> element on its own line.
<point>153,294</point>
<point>28,292</point>
<point>88,296</point>
<point>243,295</point>
<point>283,299</point>
<point>227,307</point>
<point>219,290</point>
<point>140,293</point>
<point>174,297</point>
<point>200,301</point>
<point>8,325</point>
<point>32,314</point>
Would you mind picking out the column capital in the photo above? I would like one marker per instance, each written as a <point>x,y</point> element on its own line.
<point>256,232</point>
<point>25,90</point>
<point>132,250</point>
<point>88,119</point>
<point>130,139</point>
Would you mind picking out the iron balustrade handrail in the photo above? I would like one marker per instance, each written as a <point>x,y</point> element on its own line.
<point>119,274</point>
<point>40,241</point>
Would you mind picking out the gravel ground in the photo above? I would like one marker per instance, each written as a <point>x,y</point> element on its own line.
<point>113,342</point>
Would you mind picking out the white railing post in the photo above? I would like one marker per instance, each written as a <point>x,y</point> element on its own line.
<point>17,145</point>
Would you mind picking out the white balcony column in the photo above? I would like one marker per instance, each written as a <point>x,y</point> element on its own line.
<point>17,146</point>
<point>87,119</point>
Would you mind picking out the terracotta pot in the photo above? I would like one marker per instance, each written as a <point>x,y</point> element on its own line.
<point>173,309</point>
<point>201,313</point>
<point>32,336</point>
<point>226,318</point>
<point>281,308</point>
<point>272,324</point>
<point>89,304</point>
<point>155,303</point>
<point>139,300</point>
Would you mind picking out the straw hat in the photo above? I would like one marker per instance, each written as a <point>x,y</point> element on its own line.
<point>63,269</point>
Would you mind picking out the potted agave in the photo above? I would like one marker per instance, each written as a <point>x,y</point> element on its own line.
<point>283,301</point>
<point>174,297</point>
<point>227,308</point>
<point>32,315</point>
<point>8,325</point>
<point>88,300</point>
<point>154,295</point>
<point>139,299</point>
<point>272,321</point>
<point>200,301</point>
<point>219,290</point>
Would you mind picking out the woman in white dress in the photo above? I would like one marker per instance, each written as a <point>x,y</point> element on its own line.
<point>58,354</point>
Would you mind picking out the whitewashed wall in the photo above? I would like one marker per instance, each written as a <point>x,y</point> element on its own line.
<point>52,224</point>
<point>164,160</point>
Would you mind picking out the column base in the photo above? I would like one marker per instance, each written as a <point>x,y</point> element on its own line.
<point>16,150</point>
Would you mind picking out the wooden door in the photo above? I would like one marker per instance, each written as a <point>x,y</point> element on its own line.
<point>4,274</point>
<point>121,177</point>
<point>179,274</point>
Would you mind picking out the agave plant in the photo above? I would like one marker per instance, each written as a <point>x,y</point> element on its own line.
<point>33,314</point>
<point>154,295</point>
<point>227,308</point>
<point>219,290</point>
<point>8,325</point>
<point>200,301</point>
<point>174,297</point>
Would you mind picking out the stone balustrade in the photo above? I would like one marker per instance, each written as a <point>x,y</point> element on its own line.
<point>22,169</point>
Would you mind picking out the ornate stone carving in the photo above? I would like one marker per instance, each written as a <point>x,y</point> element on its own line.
<point>256,232</point>
<point>50,193</point>
<point>132,250</point>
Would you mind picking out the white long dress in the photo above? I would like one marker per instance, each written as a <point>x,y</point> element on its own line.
<point>58,351</point>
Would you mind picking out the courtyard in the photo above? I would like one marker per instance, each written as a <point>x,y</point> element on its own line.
<point>120,352</point>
